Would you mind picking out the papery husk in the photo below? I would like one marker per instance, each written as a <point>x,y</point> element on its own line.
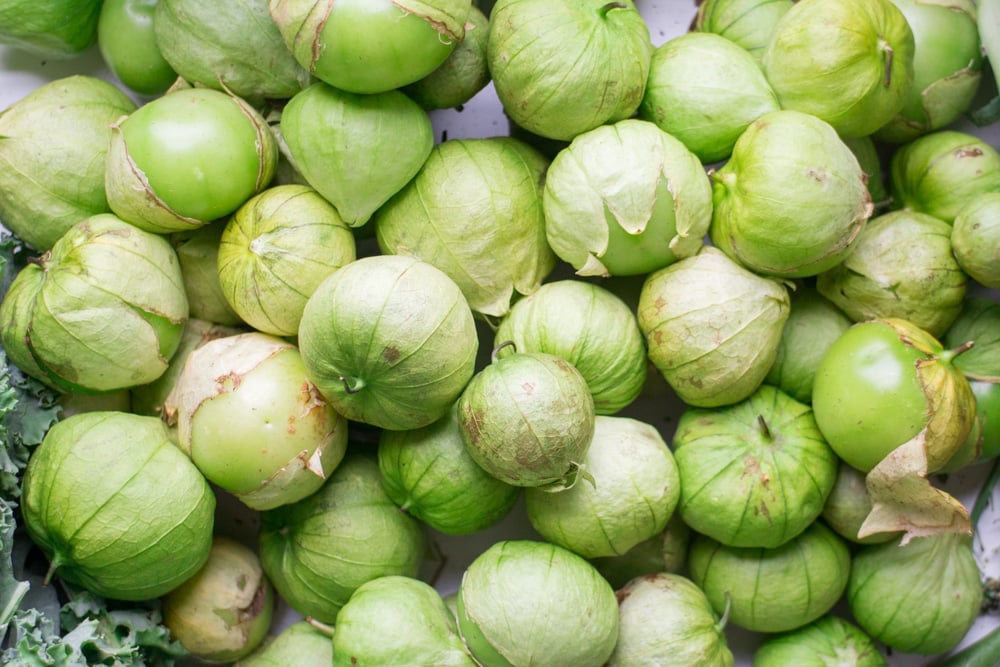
<point>903,499</point>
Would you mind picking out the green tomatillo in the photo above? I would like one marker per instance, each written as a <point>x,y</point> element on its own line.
<point>625,199</point>
<point>252,422</point>
<point>829,640</point>
<point>390,341</point>
<point>187,158</point>
<point>975,239</point>
<point>370,46</point>
<point>547,57</point>
<point>130,281</point>
<point>53,144</point>
<point>792,199</point>
<point>116,507</point>
<point>847,62</point>
<point>889,399</point>
<point>127,42</point>
<point>748,23</point>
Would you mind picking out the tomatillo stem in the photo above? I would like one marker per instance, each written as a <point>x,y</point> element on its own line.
<point>765,431</point>
<point>496,351</point>
<point>320,626</point>
<point>888,64</point>
<point>949,355</point>
<point>358,385</point>
<point>603,11</point>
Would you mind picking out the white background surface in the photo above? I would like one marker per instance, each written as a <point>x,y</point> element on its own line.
<point>482,117</point>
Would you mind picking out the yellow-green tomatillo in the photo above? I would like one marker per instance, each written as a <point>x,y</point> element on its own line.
<point>548,57</point>
<point>975,238</point>
<point>792,199</point>
<point>634,492</point>
<point>102,310</point>
<point>56,29</point>
<point>665,620</point>
<point>770,449</point>
<point>941,172</point>
<point>847,62</point>
<point>53,144</point>
<point>525,602</point>
<point>187,158</point>
<point>356,150</point>
<point>589,327</point>
<point>827,640</point>
<point>712,327</point>
<point>230,45</point>
<point>705,90</point>
<point>430,475</point>
<point>748,23</point>
<point>979,322</point>
<point>370,46</point>
<point>773,590</point>
<point>299,644</point>
<point>528,419</point>
<point>223,612</point>
<point>276,250</point>
<point>902,266</point>
<point>475,212</point>
<point>116,507</point>
<point>947,67</point>
<point>252,422</point>
<point>318,551</point>
<point>398,620</point>
<point>390,341</point>
<point>921,596</point>
<point>625,199</point>
<point>128,46</point>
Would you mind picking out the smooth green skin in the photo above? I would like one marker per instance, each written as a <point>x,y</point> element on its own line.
<point>547,58</point>
<point>827,642</point>
<point>128,46</point>
<point>53,143</point>
<point>397,620</point>
<point>625,199</point>
<point>430,475</point>
<point>871,164</point>
<point>867,397</point>
<point>200,151</point>
<point>902,266</point>
<point>299,644</point>
<point>666,552</point>
<point>276,250</point>
<point>390,341</point>
<point>527,419</point>
<point>705,90</point>
<point>523,602</point>
<point>228,45</point>
<point>318,551</point>
<point>634,493</point>
<point>773,590</point>
<point>813,325</point>
<point>947,62</point>
<point>198,252</point>
<point>223,612</point>
<point>370,46</point>
<point>117,507</point>
<point>849,504</point>
<point>712,327</point>
<point>49,28</point>
<point>831,59</point>
<point>975,239</point>
<point>249,418</point>
<point>941,172</point>
<point>130,281</point>
<point>921,597</point>
<point>979,321</point>
<point>751,484</point>
<point>589,327</point>
<point>463,74</point>
<point>748,23</point>
<point>356,150</point>
<point>792,200</point>
<point>475,212</point>
<point>665,620</point>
